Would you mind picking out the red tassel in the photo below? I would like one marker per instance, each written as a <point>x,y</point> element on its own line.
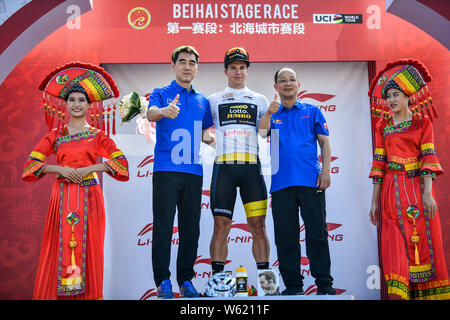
<point>98,111</point>
<point>114,119</point>
<point>103,112</point>
<point>428,97</point>
<point>52,116</point>
<point>46,112</point>
<point>58,125</point>
<point>92,116</point>
<point>63,118</point>
<point>107,115</point>
<point>98,125</point>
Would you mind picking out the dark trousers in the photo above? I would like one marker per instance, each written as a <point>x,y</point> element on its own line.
<point>285,205</point>
<point>171,191</point>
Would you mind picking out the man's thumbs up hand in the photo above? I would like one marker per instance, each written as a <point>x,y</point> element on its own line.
<point>172,110</point>
<point>274,105</point>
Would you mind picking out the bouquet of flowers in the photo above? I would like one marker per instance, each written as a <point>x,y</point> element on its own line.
<point>132,105</point>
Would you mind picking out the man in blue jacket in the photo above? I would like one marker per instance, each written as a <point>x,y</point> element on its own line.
<point>182,117</point>
<point>295,128</point>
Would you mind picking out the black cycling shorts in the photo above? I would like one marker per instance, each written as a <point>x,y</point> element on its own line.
<point>227,177</point>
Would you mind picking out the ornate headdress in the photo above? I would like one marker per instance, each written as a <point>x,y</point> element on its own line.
<point>410,77</point>
<point>90,79</point>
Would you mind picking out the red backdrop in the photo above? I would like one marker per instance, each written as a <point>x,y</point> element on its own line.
<point>106,35</point>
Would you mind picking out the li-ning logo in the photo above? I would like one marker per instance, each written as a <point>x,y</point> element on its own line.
<point>334,169</point>
<point>206,203</point>
<point>144,238</point>
<point>139,18</point>
<point>240,237</point>
<point>206,261</point>
<point>145,172</point>
<point>153,292</point>
<point>334,236</point>
<point>319,97</point>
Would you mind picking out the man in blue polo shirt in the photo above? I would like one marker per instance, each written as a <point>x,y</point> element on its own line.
<point>295,128</point>
<point>182,117</point>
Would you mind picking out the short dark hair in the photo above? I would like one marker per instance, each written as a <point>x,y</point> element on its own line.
<point>269,276</point>
<point>278,71</point>
<point>187,49</point>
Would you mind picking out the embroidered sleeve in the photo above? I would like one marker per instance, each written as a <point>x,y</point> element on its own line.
<point>379,163</point>
<point>117,164</point>
<point>430,162</point>
<point>35,163</point>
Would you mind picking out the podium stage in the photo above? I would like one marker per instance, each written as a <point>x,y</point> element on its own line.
<point>270,298</point>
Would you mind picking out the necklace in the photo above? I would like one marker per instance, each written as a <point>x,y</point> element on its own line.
<point>76,130</point>
<point>72,219</point>
<point>413,213</point>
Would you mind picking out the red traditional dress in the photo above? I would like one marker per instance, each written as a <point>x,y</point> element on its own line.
<point>71,258</point>
<point>413,259</point>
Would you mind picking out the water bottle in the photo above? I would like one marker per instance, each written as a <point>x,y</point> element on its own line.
<point>241,282</point>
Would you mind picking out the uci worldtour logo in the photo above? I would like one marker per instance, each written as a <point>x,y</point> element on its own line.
<point>336,18</point>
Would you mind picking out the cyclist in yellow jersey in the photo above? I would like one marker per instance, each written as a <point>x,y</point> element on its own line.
<point>236,112</point>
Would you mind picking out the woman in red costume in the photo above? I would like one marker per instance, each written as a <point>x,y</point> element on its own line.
<point>71,258</point>
<point>404,167</point>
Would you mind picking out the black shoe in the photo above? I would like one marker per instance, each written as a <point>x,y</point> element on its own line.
<point>293,292</point>
<point>326,291</point>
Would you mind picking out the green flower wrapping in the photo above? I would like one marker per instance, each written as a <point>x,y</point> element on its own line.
<point>131,105</point>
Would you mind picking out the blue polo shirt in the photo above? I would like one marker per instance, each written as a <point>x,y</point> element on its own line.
<point>293,145</point>
<point>178,140</point>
